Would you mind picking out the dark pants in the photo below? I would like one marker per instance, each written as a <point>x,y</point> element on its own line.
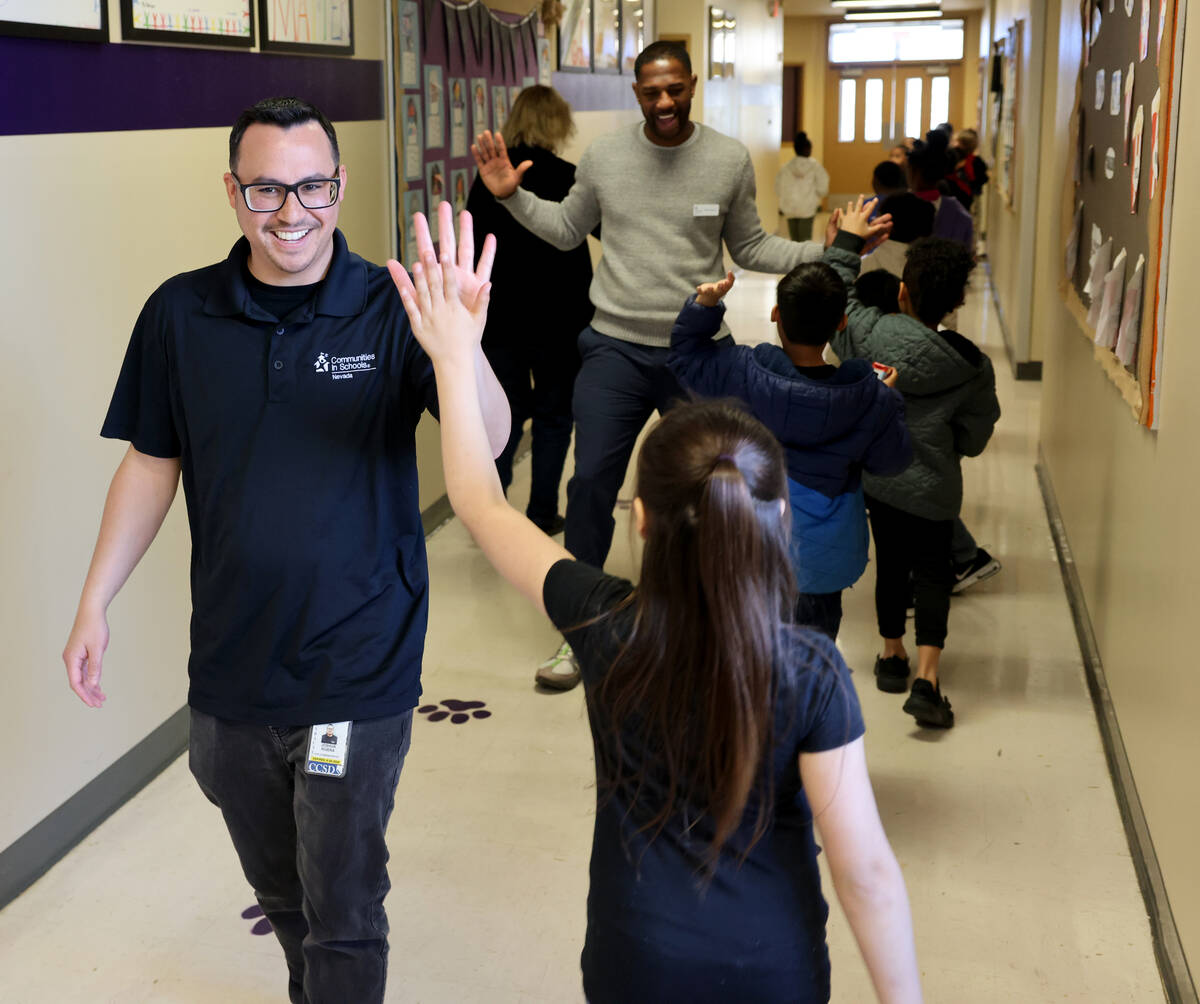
<point>800,227</point>
<point>620,385</point>
<point>311,847</point>
<point>911,549</point>
<point>822,611</point>
<point>547,401</point>
<point>962,546</point>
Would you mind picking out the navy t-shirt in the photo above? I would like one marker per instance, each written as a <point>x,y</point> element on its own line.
<point>756,932</point>
<point>296,443</point>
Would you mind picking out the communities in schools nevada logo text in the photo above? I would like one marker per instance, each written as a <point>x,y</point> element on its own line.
<point>344,367</point>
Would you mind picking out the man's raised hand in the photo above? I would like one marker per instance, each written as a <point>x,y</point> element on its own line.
<point>495,169</point>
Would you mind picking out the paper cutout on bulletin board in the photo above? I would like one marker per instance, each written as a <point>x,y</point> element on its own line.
<point>544,69</point>
<point>1110,303</point>
<point>409,31</point>
<point>414,202</point>
<point>479,105</point>
<point>1101,89</point>
<point>435,185</point>
<point>499,107</point>
<point>1095,283</point>
<point>435,104</point>
<point>459,184</point>
<point>1114,106</point>
<point>1144,32</point>
<point>414,151</point>
<point>1154,108</point>
<point>1128,109</point>
<point>1139,121</point>
<point>1131,315</point>
<point>458,116</point>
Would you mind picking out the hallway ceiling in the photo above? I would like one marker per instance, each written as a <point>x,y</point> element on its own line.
<point>821,8</point>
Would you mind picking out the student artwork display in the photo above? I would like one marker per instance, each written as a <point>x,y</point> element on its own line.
<point>457,69</point>
<point>82,20</point>
<point>1119,190</point>
<point>1009,58</point>
<point>203,22</point>
<point>313,26</point>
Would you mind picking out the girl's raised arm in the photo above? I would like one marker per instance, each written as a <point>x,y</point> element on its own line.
<point>450,333</point>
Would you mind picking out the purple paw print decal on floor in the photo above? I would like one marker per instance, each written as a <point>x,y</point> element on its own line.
<point>263,926</point>
<point>456,711</point>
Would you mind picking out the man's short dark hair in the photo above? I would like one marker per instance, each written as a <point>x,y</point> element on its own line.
<point>912,217</point>
<point>936,273</point>
<point>802,145</point>
<point>889,176</point>
<point>880,289</point>
<point>812,303</point>
<point>662,50</point>
<point>283,112</point>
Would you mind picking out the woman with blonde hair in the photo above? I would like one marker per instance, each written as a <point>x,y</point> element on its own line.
<point>539,308</point>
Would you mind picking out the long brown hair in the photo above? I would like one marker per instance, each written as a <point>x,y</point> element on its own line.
<point>695,681</point>
<point>539,116</point>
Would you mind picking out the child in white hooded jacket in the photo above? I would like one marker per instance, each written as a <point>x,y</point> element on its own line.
<point>800,185</point>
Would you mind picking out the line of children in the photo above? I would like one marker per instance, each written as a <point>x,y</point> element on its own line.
<point>950,394</point>
<point>834,422</point>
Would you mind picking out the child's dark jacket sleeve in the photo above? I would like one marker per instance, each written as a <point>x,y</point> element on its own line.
<point>855,340</point>
<point>699,363</point>
<point>891,450</point>
<point>974,421</point>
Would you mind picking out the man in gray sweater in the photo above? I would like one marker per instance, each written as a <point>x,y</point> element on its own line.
<point>666,193</point>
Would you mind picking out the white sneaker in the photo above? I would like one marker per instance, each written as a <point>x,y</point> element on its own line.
<point>560,671</point>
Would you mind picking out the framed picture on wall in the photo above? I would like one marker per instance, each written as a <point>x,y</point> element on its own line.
<point>722,26</point>
<point>315,26</point>
<point>606,36</point>
<point>77,20</point>
<point>575,38</point>
<point>200,22</point>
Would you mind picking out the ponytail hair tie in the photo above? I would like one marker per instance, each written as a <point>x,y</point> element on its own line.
<point>726,456</point>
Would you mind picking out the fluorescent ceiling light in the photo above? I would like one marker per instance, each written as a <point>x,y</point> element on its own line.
<point>892,15</point>
<point>876,4</point>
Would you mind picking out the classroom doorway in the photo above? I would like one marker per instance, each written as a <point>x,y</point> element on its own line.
<point>871,108</point>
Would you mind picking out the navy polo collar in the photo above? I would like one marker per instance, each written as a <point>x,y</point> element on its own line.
<point>342,293</point>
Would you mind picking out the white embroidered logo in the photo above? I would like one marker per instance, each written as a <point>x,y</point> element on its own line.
<point>345,367</point>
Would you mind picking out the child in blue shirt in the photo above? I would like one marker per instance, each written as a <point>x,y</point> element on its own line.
<point>833,421</point>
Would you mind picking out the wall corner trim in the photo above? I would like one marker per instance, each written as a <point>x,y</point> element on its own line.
<point>1178,986</point>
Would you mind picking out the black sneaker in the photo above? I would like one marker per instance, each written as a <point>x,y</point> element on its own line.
<point>927,705</point>
<point>982,566</point>
<point>891,674</point>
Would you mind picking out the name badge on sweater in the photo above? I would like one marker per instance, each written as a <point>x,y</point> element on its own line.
<point>706,209</point>
<point>328,750</point>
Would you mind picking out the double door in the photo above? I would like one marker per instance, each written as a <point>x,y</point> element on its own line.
<point>869,109</point>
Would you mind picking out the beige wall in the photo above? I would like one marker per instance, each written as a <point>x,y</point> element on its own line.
<point>1127,497</point>
<point>1012,229</point>
<point>101,220</point>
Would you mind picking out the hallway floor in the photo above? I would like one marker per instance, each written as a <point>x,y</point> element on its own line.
<point>1018,871</point>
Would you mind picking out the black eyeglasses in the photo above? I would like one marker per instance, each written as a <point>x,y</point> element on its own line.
<point>316,193</point>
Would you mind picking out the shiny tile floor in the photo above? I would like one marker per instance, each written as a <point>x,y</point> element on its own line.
<point>1021,883</point>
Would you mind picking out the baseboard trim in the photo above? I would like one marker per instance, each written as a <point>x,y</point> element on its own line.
<point>1178,985</point>
<point>39,849</point>
<point>1028,370</point>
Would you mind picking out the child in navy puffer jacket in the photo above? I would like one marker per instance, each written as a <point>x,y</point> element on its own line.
<point>833,421</point>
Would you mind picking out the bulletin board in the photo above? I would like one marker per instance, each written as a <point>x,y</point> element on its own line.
<point>82,20</point>
<point>456,70</point>
<point>1118,192</point>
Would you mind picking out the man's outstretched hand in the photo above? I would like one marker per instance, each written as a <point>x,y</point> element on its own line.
<point>495,169</point>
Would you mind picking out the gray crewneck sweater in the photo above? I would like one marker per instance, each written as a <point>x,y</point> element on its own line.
<point>664,212</point>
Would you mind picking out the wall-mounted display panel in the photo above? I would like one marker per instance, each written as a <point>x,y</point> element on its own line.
<point>307,26</point>
<point>81,20</point>
<point>195,22</point>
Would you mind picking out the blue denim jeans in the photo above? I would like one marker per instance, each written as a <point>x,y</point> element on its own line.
<point>311,847</point>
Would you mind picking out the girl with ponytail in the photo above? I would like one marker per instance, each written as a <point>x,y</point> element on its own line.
<point>722,733</point>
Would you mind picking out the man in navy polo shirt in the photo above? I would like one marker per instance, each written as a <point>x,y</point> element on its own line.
<point>284,385</point>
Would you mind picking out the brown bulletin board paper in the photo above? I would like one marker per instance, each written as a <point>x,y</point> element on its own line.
<point>1107,202</point>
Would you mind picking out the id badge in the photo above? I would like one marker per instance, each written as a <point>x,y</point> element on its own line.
<point>328,750</point>
<point>706,209</point>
